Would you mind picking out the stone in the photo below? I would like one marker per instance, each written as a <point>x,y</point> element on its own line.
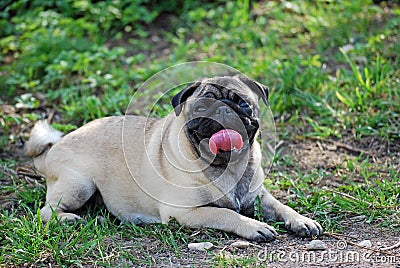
<point>365,243</point>
<point>240,244</point>
<point>202,246</point>
<point>316,245</point>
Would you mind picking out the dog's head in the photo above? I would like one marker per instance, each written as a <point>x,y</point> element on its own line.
<point>222,115</point>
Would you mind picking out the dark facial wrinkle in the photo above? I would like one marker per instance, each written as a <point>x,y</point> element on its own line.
<point>216,93</point>
<point>222,92</point>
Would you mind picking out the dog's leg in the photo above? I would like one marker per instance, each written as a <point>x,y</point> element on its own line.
<point>300,225</point>
<point>223,219</point>
<point>139,218</point>
<point>66,194</point>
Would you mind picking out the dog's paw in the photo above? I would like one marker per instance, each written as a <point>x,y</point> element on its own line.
<point>303,226</point>
<point>259,231</point>
<point>69,218</point>
<point>140,219</point>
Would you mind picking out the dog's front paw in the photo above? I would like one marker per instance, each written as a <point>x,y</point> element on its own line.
<point>69,218</point>
<point>258,231</point>
<point>303,226</point>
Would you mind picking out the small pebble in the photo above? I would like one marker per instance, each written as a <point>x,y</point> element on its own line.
<point>240,244</point>
<point>316,245</point>
<point>202,246</point>
<point>365,243</point>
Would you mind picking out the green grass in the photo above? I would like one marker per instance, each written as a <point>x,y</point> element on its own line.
<point>333,70</point>
<point>366,189</point>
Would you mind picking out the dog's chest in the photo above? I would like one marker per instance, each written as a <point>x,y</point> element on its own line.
<point>235,192</point>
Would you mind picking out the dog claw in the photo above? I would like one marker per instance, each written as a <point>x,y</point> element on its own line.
<point>265,236</point>
<point>304,227</point>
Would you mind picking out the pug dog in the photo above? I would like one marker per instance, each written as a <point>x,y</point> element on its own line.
<point>200,165</point>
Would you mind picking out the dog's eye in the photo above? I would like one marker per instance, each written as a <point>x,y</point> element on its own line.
<point>200,109</point>
<point>243,104</point>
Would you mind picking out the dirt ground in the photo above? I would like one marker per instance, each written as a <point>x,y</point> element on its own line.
<point>329,154</point>
<point>288,251</point>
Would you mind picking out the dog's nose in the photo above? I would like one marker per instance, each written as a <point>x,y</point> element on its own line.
<point>223,110</point>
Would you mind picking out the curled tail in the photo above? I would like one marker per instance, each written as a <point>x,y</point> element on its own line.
<point>42,137</point>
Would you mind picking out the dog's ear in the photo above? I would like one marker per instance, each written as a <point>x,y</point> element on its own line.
<point>182,96</point>
<point>261,90</point>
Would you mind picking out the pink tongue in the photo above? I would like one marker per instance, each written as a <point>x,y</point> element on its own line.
<point>225,140</point>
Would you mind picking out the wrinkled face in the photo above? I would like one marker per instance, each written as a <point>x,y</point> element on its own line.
<point>221,123</point>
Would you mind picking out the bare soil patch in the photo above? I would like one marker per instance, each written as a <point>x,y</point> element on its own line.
<point>310,154</point>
